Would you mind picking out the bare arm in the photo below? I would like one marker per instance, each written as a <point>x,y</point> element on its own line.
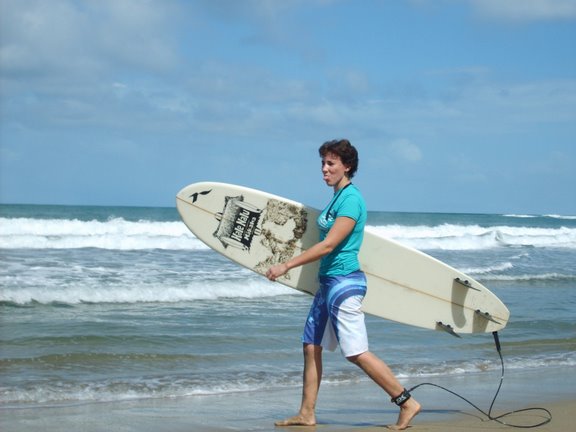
<point>342,227</point>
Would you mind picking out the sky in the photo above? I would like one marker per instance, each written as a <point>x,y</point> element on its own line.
<point>465,106</point>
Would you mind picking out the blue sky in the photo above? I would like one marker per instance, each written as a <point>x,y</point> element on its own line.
<point>454,105</point>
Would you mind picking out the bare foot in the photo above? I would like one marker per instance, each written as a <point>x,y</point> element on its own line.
<point>408,411</point>
<point>298,420</point>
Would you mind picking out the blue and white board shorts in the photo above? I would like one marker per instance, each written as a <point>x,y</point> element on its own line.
<point>336,317</point>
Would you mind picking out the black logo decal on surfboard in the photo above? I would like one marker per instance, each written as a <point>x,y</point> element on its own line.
<point>238,223</point>
<point>195,195</point>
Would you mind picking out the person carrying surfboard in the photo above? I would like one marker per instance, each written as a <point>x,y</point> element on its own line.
<point>335,317</point>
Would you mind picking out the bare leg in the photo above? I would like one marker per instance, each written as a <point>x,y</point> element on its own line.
<point>312,377</point>
<point>383,376</point>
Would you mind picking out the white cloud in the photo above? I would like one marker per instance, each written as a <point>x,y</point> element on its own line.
<point>406,150</point>
<point>40,38</point>
<point>526,10</point>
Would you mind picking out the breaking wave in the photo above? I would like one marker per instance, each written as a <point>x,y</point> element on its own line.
<point>121,234</point>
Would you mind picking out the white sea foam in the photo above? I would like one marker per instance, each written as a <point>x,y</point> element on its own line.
<point>117,234</point>
<point>529,277</point>
<point>120,234</point>
<point>475,237</point>
<point>167,387</point>
<point>488,270</point>
<point>530,216</point>
<point>137,292</point>
<point>555,216</point>
<point>521,216</point>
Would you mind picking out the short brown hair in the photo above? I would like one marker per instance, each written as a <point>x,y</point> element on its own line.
<point>344,150</point>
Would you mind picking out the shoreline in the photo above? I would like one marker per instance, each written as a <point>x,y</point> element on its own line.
<point>352,407</point>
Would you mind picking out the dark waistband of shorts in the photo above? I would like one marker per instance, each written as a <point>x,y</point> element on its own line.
<point>358,274</point>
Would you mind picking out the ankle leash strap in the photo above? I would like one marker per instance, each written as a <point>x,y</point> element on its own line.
<point>401,398</point>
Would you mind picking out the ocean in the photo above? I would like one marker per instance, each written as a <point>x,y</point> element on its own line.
<point>115,304</point>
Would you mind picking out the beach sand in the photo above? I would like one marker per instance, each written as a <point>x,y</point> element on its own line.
<point>353,407</point>
<point>562,421</point>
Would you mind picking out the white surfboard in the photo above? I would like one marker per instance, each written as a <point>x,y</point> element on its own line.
<point>257,230</point>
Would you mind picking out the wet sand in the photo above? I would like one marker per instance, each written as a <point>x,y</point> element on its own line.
<point>357,407</point>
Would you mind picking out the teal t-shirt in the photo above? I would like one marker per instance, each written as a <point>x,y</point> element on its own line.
<point>343,260</point>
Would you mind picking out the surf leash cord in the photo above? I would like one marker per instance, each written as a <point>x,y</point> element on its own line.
<point>499,419</point>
